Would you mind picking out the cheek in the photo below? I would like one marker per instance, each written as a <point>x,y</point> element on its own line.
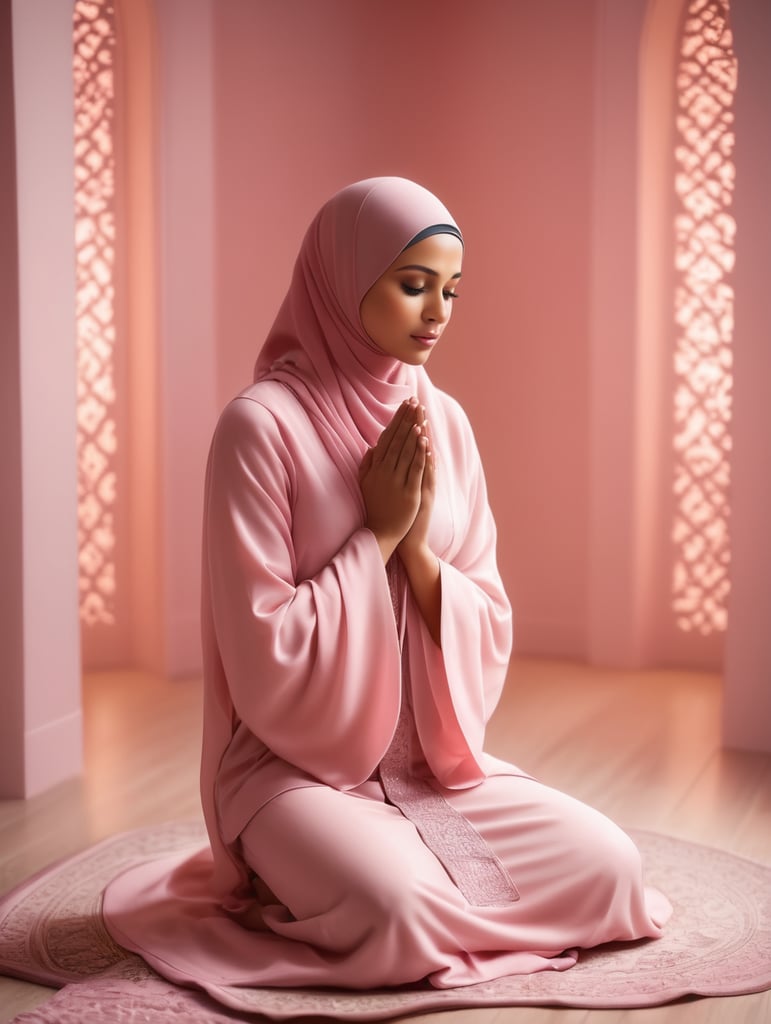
<point>395,310</point>
<point>381,311</point>
<point>385,310</point>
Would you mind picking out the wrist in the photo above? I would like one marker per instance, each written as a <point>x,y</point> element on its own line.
<point>424,573</point>
<point>385,542</point>
<point>417,557</point>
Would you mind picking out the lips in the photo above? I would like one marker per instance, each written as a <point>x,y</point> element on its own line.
<point>425,339</point>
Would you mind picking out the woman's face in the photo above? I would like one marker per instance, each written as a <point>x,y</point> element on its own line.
<point>408,307</point>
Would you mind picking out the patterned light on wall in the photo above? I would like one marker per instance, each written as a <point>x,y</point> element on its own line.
<point>704,258</point>
<point>94,47</point>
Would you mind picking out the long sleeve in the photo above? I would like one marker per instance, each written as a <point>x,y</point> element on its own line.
<point>312,664</point>
<point>459,685</point>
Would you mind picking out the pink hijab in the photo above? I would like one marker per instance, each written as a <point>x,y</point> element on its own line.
<point>317,345</point>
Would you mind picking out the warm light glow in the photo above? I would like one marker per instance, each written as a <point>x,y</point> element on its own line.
<point>94,45</point>
<point>704,258</point>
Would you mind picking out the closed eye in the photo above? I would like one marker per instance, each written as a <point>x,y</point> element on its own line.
<point>411,290</point>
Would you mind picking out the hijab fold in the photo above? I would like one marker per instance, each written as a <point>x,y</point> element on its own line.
<point>317,346</point>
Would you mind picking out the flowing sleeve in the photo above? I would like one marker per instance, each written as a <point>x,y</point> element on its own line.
<point>312,665</point>
<point>455,689</point>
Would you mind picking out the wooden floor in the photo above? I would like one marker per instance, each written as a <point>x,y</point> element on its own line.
<point>642,747</point>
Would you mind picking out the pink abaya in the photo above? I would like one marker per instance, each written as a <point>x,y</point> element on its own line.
<point>360,835</point>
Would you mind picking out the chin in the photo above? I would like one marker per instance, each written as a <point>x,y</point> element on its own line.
<point>417,358</point>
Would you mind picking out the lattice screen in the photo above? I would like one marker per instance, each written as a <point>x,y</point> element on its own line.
<point>94,48</point>
<point>704,258</point>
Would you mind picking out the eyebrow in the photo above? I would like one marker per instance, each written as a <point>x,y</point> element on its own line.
<point>426,270</point>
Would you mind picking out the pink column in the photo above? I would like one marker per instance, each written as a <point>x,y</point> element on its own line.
<point>40,728</point>
<point>187,385</point>
<point>747,711</point>
<point>615,613</point>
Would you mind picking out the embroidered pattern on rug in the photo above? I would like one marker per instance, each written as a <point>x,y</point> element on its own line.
<point>718,943</point>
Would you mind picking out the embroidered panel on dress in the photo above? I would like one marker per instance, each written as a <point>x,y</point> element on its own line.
<point>469,861</point>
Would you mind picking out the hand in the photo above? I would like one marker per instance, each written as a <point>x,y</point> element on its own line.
<point>391,477</point>
<point>421,564</point>
<point>416,537</point>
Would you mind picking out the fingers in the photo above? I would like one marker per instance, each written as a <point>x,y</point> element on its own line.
<point>404,447</point>
<point>397,478</point>
<point>425,430</point>
<point>429,472</point>
<point>416,454</point>
<point>423,457</point>
<point>391,442</point>
<point>417,447</point>
<point>418,463</point>
<point>401,420</point>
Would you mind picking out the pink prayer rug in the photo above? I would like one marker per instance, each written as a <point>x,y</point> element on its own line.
<point>718,943</point>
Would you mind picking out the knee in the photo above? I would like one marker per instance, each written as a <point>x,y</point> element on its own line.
<point>619,896</point>
<point>616,860</point>
<point>621,852</point>
<point>392,915</point>
<point>390,903</point>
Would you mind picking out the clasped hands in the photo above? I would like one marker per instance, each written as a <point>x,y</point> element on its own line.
<point>398,483</point>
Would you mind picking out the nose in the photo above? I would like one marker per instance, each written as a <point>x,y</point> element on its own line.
<point>436,308</point>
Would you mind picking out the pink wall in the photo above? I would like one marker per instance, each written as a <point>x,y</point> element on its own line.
<point>747,715</point>
<point>495,115</point>
<point>11,523</point>
<point>40,741</point>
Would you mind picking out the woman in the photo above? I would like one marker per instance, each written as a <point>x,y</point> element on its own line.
<point>356,641</point>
